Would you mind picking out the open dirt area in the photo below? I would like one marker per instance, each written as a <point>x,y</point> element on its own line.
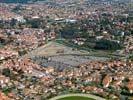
<point>60,56</point>
<point>53,48</point>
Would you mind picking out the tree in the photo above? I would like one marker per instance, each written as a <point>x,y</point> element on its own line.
<point>6,72</point>
<point>22,52</point>
<point>131,58</point>
<point>13,22</point>
<point>107,45</point>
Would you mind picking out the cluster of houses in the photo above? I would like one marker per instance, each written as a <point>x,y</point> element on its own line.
<point>7,15</point>
<point>96,77</point>
<point>27,38</point>
<point>22,78</point>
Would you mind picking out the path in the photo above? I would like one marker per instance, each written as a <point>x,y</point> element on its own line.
<point>81,95</point>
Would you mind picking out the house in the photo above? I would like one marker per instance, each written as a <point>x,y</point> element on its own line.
<point>3,80</point>
<point>99,37</point>
<point>79,41</point>
<point>49,69</point>
<point>129,86</point>
<point>116,84</point>
<point>3,96</point>
<point>130,78</point>
<point>106,81</point>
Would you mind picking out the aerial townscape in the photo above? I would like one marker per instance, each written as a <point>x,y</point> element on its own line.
<point>66,49</point>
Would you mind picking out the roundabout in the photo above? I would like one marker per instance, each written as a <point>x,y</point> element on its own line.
<point>77,97</point>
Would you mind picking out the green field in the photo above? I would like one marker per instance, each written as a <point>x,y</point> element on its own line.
<point>76,98</point>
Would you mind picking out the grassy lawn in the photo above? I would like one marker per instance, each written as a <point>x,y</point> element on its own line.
<point>93,52</point>
<point>76,98</point>
<point>72,45</point>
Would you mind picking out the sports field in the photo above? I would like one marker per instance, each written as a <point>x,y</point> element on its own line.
<point>76,98</point>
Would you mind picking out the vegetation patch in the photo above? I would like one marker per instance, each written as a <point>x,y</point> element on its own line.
<point>131,58</point>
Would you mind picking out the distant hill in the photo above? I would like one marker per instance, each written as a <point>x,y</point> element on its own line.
<point>25,1</point>
<point>14,1</point>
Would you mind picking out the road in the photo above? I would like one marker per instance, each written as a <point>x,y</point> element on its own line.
<point>82,95</point>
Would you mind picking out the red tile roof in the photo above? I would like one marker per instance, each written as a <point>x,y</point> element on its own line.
<point>129,85</point>
<point>3,96</point>
<point>106,80</point>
